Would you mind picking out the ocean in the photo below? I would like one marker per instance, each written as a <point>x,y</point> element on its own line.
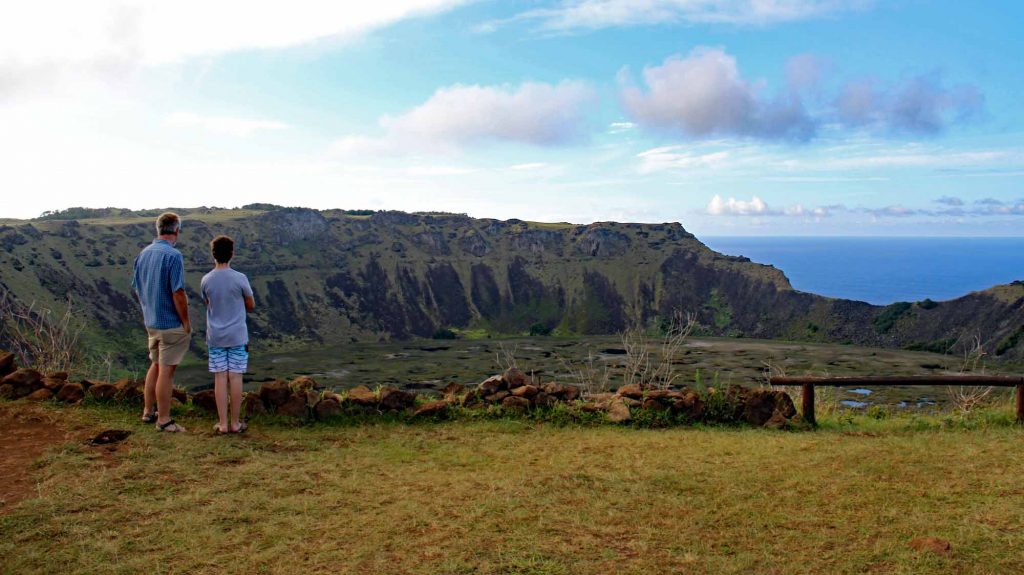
<point>884,270</point>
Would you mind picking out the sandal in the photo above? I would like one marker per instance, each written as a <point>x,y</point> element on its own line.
<point>149,417</point>
<point>242,426</point>
<point>220,430</point>
<point>170,427</point>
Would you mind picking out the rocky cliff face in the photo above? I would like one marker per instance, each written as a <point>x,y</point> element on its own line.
<point>334,276</point>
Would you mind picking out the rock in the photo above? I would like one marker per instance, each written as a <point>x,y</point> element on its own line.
<point>109,436</point>
<point>491,385</point>
<point>40,395</point>
<point>653,405</point>
<point>327,408</point>
<point>931,544</point>
<point>630,402</point>
<point>252,404</point>
<point>395,399</point>
<point>102,391</point>
<point>6,391</point>
<point>527,391</point>
<point>296,406</point>
<point>776,421</point>
<point>570,393</point>
<point>7,363</point>
<point>302,383</point>
<point>515,378</point>
<point>54,384</point>
<point>618,411</point>
<point>515,403</point>
<point>761,405</point>
<point>313,398</point>
<point>362,395</point>
<point>633,391</point>
<point>543,400</point>
<point>471,399</point>
<point>663,394</point>
<point>736,397</point>
<point>553,388</point>
<point>180,394</point>
<point>23,382</point>
<point>205,400</point>
<point>432,409</point>
<point>593,407</point>
<point>497,397</point>
<point>453,391</point>
<point>130,391</point>
<point>61,375</point>
<point>71,393</point>
<point>275,393</point>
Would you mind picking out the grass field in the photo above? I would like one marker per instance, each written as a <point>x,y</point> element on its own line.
<point>514,496</point>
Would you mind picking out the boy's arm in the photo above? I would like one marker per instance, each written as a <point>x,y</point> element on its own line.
<point>250,302</point>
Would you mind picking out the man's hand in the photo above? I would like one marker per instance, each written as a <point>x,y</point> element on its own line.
<point>181,306</point>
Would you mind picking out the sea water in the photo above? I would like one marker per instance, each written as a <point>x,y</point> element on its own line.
<point>884,270</point>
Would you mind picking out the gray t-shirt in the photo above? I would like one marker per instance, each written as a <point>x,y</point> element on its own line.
<point>224,292</point>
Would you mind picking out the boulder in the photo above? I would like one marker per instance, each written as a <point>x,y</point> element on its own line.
<point>393,399</point>
<point>8,365</point>
<point>54,384</point>
<point>663,394</point>
<point>632,391</point>
<point>690,405</point>
<point>570,393</point>
<point>543,400</point>
<point>296,406</point>
<point>302,383</point>
<point>653,405</point>
<point>618,411</point>
<point>491,385</point>
<point>515,378</point>
<point>553,388</point>
<point>275,393</point>
<point>453,391</point>
<point>630,402</point>
<point>252,405</point>
<point>432,409</point>
<point>362,395</point>
<point>23,382</point>
<point>61,375</point>
<point>71,393</point>
<point>515,403</point>
<point>776,421</point>
<point>527,391</point>
<point>180,394</point>
<point>40,395</point>
<point>6,391</point>
<point>497,397</point>
<point>102,391</point>
<point>205,400</point>
<point>761,405</point>
<point>471,399</point>
<point>930,544</point>
<point>129,390</point>
<point>327,408</point>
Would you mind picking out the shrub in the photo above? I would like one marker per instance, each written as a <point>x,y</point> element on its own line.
<point>444,333</point>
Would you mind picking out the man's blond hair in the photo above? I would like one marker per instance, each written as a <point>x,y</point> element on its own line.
<point>168,223</point>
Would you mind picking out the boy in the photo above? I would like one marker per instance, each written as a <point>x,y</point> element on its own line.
<point>228,298</point>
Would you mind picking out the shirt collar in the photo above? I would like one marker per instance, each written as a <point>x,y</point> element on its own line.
<point>160,241</point>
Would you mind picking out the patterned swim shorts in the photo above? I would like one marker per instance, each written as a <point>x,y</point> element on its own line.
<point>233,359</point>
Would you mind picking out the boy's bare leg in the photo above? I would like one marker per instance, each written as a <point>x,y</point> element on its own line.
<point>220,391</point>
<point>149,390</point>
<point>235,383</point>
<point>164,388</point>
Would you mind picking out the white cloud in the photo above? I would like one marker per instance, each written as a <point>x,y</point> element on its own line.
<point>919,104</point>
<point>704,95</point>
<point>459,116</point>
<point>733,207</point>
<point>44,40</point>
<point>596,14</point>
<point>224,125</point>
<point>620,127</point>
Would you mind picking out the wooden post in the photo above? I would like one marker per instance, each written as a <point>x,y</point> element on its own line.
<point>1020,403</point>
<point>808,404</point>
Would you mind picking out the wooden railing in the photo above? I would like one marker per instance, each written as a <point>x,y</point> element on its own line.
<point>807,384</point>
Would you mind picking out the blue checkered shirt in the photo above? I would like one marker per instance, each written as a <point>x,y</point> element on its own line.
<point>159,271</point>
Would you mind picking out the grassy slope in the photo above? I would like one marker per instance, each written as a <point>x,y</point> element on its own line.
<point>516,497</point>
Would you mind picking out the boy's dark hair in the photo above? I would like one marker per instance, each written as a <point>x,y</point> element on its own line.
<point>223,248</point>
<point>168,223</point>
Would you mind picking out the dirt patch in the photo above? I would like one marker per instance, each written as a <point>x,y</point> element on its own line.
<point>25,433</point>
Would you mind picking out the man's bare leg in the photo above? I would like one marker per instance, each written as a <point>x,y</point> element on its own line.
<point>220,392</point>
<point>149,390</point>
<point>235,383</point>
<point>164,387</point>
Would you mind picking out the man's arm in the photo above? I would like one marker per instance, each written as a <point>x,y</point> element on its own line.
<point>181,306</point>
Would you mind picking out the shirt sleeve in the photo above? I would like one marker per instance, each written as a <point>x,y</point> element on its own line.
<point>246,288</point>
<point>135,277</point>
<point>176,274</point>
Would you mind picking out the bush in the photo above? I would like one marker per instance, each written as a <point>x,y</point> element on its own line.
<point>539,329</point>
<point>444,333</point>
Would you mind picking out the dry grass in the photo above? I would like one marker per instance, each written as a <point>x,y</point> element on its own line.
<point>507,497</point>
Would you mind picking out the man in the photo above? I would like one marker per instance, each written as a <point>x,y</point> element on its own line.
<point>158,281</point>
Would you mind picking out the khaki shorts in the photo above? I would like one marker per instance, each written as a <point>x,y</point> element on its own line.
<point>168,346</point>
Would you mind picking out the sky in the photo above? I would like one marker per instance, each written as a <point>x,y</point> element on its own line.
<point>732,117</point>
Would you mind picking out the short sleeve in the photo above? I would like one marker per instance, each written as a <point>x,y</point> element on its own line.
<point>202,288</point>
<point>176,274</point>
<point>246,288</point>
<point>135,276</point>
